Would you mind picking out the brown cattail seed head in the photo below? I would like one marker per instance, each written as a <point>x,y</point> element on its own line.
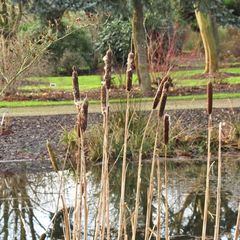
<point>52,157</point>
<point>209,97</point>
<point>108,68</point>
<point>164,84</point>
<point>163,102</point>
<point>82,117</point>
<point>103,97</point>
<point>129,72</point>
<point>166,123</point>
<point>76,92</point>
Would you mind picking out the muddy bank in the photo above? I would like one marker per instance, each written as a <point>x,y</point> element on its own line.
<point>27,137</point>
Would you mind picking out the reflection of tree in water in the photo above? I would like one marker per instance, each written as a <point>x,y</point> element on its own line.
<point>130,194</point>
<point>188,220</point>
<point>186,215</point>
<point>16,208</point>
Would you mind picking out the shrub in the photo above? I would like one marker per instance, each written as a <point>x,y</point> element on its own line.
<point>116,33</point>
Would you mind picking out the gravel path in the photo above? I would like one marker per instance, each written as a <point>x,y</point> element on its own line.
<point>29,134</point>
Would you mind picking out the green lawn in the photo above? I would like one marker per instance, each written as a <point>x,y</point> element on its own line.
<point>94,81</point>
<point>60,103</point>
<point>203,82</point>
<point>65,83</point>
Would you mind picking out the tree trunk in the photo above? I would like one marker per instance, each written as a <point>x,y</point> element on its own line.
<point>140,46</point>
<point>209,41</point>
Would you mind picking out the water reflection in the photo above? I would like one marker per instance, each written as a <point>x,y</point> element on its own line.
<point>29,201</point>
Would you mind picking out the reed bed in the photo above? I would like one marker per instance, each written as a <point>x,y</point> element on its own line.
<point>128,218</point>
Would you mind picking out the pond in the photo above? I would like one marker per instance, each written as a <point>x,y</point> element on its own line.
<point>28,201</point>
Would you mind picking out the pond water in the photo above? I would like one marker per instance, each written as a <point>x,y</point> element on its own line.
<point>28,201</point>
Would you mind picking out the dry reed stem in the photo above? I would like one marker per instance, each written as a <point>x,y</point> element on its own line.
<point>107,78</point>
<point>217,221</point>
<point>52,157</point>
<point>81,175</point>
<point>135,216</point>
<point>150,192</point>
<point>124,170</point>
<point>103,214</point>
<point>166,195</point>
<point>67,234</point>
<point>83,184</point>
<point>237,231</point>
<point>60,194</point>
<point>206,203</point>
<point>78,196</point>
<point>76,92</point>
<point>209,98</point>
<point>159,189</point>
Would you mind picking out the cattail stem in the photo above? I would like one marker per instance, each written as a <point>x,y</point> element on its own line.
<point>103,214</point>
<point>216,230</point>
<point>166,194</point>
<point>159,190</point>
<point>124,170</point>
<point>237,231</point>
<point>135,216</point>
<point>67,235</point>
<point>81,186</point>
<point>206,203</point>
<point>150,189</point>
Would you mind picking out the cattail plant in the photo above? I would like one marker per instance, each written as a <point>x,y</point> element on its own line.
<point>166,124</point>
<point>129,74</point>
<point>76,91</point>
<point>158,94</point>
<point>81,186</point>
<point>137,198</point>
<point>206,202</point>
<point>103,214</point>
<point>216,230</point>
<point>163,85</point>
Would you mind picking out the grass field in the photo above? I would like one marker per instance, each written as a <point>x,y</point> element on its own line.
<point>181,78</point>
